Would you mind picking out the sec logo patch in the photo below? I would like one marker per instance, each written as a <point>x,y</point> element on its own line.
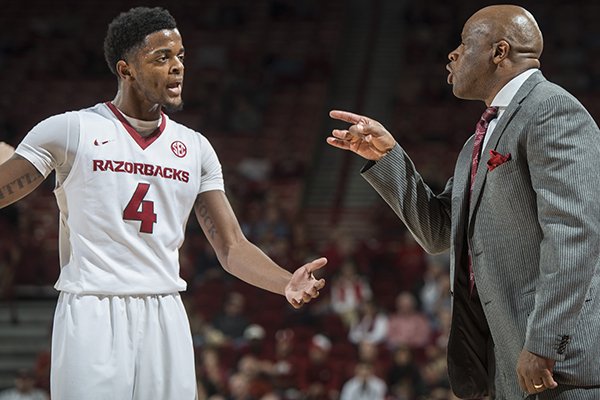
<point>178,149</point>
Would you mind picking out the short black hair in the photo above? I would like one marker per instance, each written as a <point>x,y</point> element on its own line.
<point>129,29</point>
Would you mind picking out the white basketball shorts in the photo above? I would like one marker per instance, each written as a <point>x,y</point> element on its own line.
<point>122,348</point>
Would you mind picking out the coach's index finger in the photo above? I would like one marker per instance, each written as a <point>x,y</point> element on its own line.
<point>347,116</point>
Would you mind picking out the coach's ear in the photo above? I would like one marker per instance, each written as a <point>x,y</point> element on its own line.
<point>123,70</point>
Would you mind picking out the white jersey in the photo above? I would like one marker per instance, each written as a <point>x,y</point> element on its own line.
<point>126,200</point>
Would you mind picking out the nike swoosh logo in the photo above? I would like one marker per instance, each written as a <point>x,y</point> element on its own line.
<point>97,143</point>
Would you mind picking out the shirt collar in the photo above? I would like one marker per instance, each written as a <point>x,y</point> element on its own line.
<point>506,94</point>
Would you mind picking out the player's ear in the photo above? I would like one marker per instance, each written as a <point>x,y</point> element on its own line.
<point>124,70</point>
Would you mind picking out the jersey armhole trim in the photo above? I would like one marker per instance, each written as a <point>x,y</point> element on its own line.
<point>76,161</point>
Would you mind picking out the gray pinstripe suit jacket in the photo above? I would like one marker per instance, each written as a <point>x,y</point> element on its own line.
<point>533,227</point>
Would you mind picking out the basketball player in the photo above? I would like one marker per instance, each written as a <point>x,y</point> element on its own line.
<point>127,179</point>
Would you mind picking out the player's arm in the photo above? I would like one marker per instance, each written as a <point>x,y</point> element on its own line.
<point>245,260</point>
<point>45,148</point>
<point>18,178</point>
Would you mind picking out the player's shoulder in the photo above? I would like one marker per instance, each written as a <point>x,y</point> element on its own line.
<point>184,130</point>
<point>97,111</point>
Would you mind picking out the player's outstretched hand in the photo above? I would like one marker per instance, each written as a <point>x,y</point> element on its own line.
<point>365,137</point>
<point>6,151</point>
<point>303,287</point>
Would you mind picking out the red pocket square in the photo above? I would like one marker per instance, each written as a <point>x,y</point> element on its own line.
<point>496,159</point>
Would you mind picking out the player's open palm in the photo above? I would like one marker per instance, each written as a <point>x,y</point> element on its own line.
<point>6,151</point>
<point>303,287</point>
<point>365,137</point>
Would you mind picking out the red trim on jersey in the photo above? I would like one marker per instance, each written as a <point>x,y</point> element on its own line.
<point>142,141</point>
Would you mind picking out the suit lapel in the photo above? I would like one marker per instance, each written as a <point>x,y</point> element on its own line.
<point>460,198</point>
<point>485,154</point>
<point>461,178</point>
<point>503,123</point>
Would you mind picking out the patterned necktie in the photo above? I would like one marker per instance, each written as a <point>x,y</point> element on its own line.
<point>480,129</point>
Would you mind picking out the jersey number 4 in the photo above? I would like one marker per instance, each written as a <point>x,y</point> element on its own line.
<point>141,210</point>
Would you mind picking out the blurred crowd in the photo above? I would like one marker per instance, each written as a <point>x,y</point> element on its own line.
<point>379,330</point>
<point>381,325</point>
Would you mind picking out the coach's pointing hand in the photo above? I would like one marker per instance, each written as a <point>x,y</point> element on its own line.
<point>366,137</point>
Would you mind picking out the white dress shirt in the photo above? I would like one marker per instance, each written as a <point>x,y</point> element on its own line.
<point>503,99</point>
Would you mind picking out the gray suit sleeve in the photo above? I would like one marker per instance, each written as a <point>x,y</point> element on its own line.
<point>426,215</point>
<point>563,153</point>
